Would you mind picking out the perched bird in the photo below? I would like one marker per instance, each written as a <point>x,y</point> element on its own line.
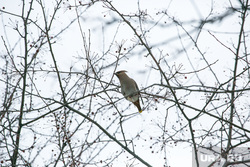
<point>129,88</point>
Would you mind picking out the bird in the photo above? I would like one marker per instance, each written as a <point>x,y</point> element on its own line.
<point>129,88</point>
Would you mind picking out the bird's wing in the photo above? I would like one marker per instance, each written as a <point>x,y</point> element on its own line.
<point>137,89</point>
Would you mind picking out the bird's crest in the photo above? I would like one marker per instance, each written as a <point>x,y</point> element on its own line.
<point>119,72</point>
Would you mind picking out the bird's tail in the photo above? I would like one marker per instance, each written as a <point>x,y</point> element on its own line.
<point>137,104</point>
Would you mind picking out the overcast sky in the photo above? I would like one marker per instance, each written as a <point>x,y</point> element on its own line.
<point>106,31</point>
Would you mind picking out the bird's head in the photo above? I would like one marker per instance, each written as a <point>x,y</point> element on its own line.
<point>120,73</point>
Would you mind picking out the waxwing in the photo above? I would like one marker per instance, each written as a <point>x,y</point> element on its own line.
<point>129,88</point>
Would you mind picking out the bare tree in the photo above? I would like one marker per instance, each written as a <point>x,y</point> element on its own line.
<point>60,101</point>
